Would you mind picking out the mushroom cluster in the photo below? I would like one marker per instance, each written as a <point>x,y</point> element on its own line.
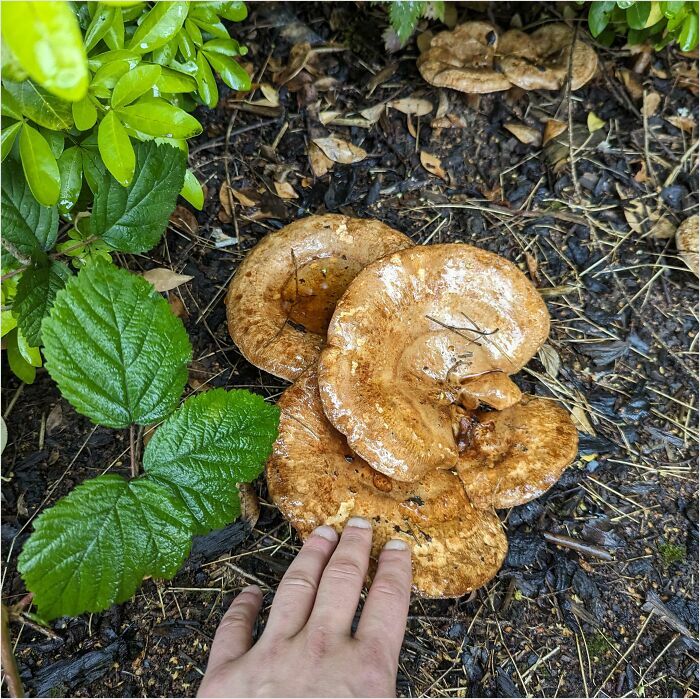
<point>475,58</point>
<point>403,410</point>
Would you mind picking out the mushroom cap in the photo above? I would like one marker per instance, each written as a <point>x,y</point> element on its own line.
<point>518,453</point>
<point>285,290</point>
<point>492,388</point>
<point>687,242</point>
<point>314,478</point>
<point>406,334</point>
<point>463,59</point>
<point>540,61</point>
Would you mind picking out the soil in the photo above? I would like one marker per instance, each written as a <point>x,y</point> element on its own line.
<point>589,220</point>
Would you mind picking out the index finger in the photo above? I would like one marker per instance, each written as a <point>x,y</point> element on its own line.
<point>385,612</point>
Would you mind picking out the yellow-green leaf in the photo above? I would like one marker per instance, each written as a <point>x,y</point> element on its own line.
<point>116,149</point>
<point>192,190</point>
<point>135,83</point>
<point>159,25</point>
<point>40,166</point>
<point>84,114</point>
<point>8,137</point>
<point>46,39</point>
<point>157,117</point>
<point>19,366</point>
<point>594,122</point>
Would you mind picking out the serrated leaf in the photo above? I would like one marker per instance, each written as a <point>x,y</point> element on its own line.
<point>40,166</point>
<point>27,227</point>
<point>84,114</point>
<point>40,106</point>
<point>404,15</point>
<point>115,349</point>
<point>159,26</point>
<point>46,39</point>
<point>135,83</point>
<point>116,149</point>
<point>230,71</point>
<point>70,165</point>
<point>36,293</point>
<point>215,440</point>
<point>136,528</point>
<point>133,218</point>
<point>157,117</point>
<point>8,136</point>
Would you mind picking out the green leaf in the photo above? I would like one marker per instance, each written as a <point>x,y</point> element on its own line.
<point>93,167</point>
<point>624,4</point>
<point>39,105</point>
<point>159,26</point>
<point>30,354</point>
<point>225,47</point>
<point>192,190</point>
<point>8,137</point>
<point>115,349</point>
<point>116,149</point>
<point>638,14</point>
<point>234,11</point>
<point>677,21</point>
<point>133,219</point>
<point>186,45</point>
<point>688,38</point>
<point>166,53</point>
<point>56,141</point>
<point>671,8</point>
<point>84,114</point>
<point>9,106</point>
<point>135,83</point>
<point>206,82</point>
<point>213,441</point>
<point>172,81</point>
<point>46,39</point>
<point>599,16</point>
<point>216,29</point>
<point>231,72</point>
<point>19,366</point>
<point>40,166</point>
<point>404,15</point>
<point>108,76</point>
<point>27,227</point>
<point>70,165</point>
<point>157,117</point>
<point>136,528</point>
<point>36,293</point>
<point>193,32</point>
<point>101,59</point>
<point>101,21</point>
<point>114,36</point>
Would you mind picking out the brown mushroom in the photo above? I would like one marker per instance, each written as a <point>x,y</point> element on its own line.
<point>314,478</point>
<point>687,242</point>
<point>284,292</point>
<point>407,334</point>
<point>540,61</point>
<point>514,455</point>
<point>463,59</point>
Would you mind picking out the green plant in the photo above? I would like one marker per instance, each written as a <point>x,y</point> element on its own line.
<point>405,14</point>
<point>672,553</point>
<point>661,23</point>
<point>119,356</point>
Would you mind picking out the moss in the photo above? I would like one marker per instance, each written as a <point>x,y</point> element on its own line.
<point>672,553</point>
<point>597,645</point>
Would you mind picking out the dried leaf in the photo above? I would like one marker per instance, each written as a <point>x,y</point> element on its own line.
<point>270,93</point>
<point>652,100</point>
<point>594,122</point>
<point>339,150</point>
<point>432,164</point>
<point>250,504</point>
<point>412,105</point>
<point>551,361</point>
<point>525,134</point>
<point>684,123</point>
<point>328,116</point>
<point>373,114</point>
<point>687,243</point>
<point>581,420</point>
<point>165,279</point>
<point>663,229</point>
<point>320,164</point>
<point>632,84</point>
<point>552,129</point>
<point>177,306</point>
<point>532,267</point>
<point>55,419</point>
<point>642,176</point>
<point>381,77</point>
<point>285,190</point>
<point>245,197</point>
<point>635,211</point>
<point>184,219</point>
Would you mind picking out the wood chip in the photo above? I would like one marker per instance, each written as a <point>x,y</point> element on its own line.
<point>165,279</point>
<point>432,164</point>
<point>339,150</point>
<point>525,134</point>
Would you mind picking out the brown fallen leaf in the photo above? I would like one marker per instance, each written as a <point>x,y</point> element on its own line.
<point>663,229</point>
<point>320,164</point>
<point>450,121</point>
<point>245,197</point>
<point>432,164</point>
<point>412,105</point>
<point>552,129</point>
<point>642,176</point>
<point>581,420</point>
<point>632,83</point>
<point>270,94</point>
<point>684,123</point>
<point>178,307</point>
<point>54,420</point>
<point>184,219</point>
<point>525,134</point>
<point>411,126</point>
<point>165,279</point>
<point>651,103</point>
<point>340,150</point>
<point>532,267</point>
<point>374,113</point>
<point>328,116</point>
<point>550,360</point>
<point>381,77</point>
<point>285,190</point>
<point>250,504</point>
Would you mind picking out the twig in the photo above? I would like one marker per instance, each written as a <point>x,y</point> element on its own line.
<point>576,545</point>
<point>9,663</point>
<point>132,451</point>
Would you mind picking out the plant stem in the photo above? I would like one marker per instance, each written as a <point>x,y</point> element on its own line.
<point>132,451</point>
<point>9,664</point>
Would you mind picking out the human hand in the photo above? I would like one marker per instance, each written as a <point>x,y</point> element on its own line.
<point>307,648</point>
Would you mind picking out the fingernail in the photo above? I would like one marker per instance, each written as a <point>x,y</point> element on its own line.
<point>252,589</point>
<point>395,545</point>
<point>325,532</point>
<point>359,522</point>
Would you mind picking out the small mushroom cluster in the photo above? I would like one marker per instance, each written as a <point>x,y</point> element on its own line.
<point>475,58</point>
<point>403,410</point>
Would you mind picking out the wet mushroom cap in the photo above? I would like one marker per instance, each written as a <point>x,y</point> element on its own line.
<point>463,59</point>
<point>284,292</point>
<point>540,61</point>
<point>407,333</point>
<point>515,455</point>
<point>314,478</point>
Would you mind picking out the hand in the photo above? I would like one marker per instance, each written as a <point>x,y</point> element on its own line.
<point>307,648</point>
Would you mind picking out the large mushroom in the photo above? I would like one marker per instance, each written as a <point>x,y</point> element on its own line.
<point>540,61</point>
<point>284,293</point>
<point>315,478</point>
<point>407,338</point>
<point>509,457</point>
<point>463,59</point>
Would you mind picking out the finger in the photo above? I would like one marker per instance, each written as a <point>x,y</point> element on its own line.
<point>339,591</point>
<point>383,619</point>
<point>296,593</point>
<point>235,633</point>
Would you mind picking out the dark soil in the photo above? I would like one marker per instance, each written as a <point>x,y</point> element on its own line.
<point>621,619</point>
